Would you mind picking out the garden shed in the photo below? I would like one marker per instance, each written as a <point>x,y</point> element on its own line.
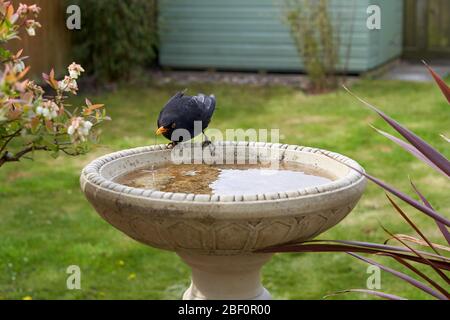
<point>252,35</point>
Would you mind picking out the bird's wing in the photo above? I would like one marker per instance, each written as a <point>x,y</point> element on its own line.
<point>207,104</point>
<point>176,97</point>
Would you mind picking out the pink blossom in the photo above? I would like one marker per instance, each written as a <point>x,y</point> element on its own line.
<point>68,85</point>
<point>22,10</point>
<point>49,110</point>
<point>79,129</point>
<point>75,70</point>
<point>30,26</point>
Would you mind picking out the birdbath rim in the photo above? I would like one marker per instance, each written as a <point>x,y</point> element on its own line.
<point>93,173</point>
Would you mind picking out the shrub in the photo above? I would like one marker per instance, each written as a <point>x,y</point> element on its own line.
<point>30,119</point>
<point>316,40</point>
<point>116,38</point>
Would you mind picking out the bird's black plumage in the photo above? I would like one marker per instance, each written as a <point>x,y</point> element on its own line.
<point>182,111</point>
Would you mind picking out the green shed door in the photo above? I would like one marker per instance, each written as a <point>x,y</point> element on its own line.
<point>427,29</point>
<point>251,35</point>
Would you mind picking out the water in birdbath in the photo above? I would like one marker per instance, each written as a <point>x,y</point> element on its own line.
<point>226,179</point>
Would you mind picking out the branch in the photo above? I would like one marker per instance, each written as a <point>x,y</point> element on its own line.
<point>72,154</point>
<point>8,157</point>
<point>8,140</point>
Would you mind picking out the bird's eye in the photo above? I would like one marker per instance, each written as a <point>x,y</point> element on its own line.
<point>174,125</point>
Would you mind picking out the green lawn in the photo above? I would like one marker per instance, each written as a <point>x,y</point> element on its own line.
<point>47,225</point>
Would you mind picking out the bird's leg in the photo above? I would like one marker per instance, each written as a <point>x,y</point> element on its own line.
<point>172,144</point>
<point>208,143</point>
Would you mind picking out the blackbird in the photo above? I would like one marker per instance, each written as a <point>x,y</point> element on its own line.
<point>181,112</point>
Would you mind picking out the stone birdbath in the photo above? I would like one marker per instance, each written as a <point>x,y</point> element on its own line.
<point>217,236</point>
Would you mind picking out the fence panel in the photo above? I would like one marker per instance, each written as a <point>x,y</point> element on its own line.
<point>51,47</point>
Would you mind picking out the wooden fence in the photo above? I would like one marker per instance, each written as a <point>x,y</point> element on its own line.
<point>427,29</point>
<point>51,47</point>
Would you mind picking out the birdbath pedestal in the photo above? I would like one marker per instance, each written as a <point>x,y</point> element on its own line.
<point>226,277</point>
<point>218,236</point>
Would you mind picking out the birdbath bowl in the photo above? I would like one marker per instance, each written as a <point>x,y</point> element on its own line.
<point>219,236</point>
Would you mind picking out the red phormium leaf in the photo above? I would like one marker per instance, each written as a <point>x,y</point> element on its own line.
<point>408,220</point>
<point>428,151</point>
<point>441,227</point>
<point>430,212</point>
<point>422,275</point>
<point>442,85</point>
<point>402,276</point>
<point>371,292</point>
<point>411,149</point>
<point>417,241</point>
<point>370,248</point>
<point>429,262</point>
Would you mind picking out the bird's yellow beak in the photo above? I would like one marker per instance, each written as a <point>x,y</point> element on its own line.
<point>161,131</point>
